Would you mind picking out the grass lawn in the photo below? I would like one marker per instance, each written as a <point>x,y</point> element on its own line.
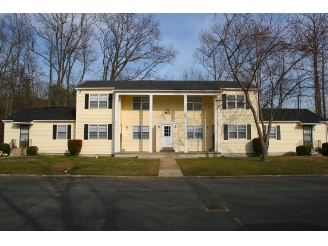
<point>277,165</point>
<point>54,165</point>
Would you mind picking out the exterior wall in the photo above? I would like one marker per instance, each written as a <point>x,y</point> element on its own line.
<point>41,136</point>
<point>175,104</point>
<point>11,131</point>
<point>320,133</point>
<point>291,135</point>
<point>93,116</point>
<point>243,116</point>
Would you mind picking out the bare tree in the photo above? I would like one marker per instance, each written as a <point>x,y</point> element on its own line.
<point>16,63</point>
<point>64,45</point>
<point>311,30</point>
<point>195,74</point>
<point>130,45</point>
<point>209,55</point>
<point>260,55</point>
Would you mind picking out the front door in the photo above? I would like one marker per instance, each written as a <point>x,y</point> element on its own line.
<point>167,136</point>
<point>308,136</point>
<point>24,136</point>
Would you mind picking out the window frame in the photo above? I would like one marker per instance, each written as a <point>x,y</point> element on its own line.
<point>97,105</point>
<point>234,99</point>
<point>193,132</point>
<point>144,103</point>
<point>142,133</point>
<point>98,132</point>
<point>66,131</point>
<point>239,129</point>
<point>191,103</point>
<point>273,132</point>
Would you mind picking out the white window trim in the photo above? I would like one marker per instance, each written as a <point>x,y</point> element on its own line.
<point>97,138</point>
<point>194,132</point>
<point>141,103</point>
<point>66,131</point>
<point>235,101</point>
<point>193,103</point>
<point>275,132</point>
<point>98,101</point>
<point>237,131</point>
<point>141,132</point>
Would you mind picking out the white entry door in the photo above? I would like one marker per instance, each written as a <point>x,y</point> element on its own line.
<point>167,136</point>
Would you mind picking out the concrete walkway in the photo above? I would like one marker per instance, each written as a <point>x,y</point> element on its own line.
<point>168,167</point>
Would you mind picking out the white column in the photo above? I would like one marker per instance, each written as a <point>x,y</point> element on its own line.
<point>117,125</point>
<point>150,123</point>
<point>185,116</point>
<point>218,126</point>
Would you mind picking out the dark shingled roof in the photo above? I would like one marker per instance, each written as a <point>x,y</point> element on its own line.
<point>48,113</point>
<point>161,85</point>
<point>302,115</point>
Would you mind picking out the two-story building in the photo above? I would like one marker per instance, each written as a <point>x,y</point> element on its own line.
<point>130,118</point>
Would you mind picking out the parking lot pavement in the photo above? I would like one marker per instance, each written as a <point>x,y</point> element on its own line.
<point>163,204</point>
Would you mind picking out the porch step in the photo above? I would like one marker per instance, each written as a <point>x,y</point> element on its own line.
<point>315,152</point>
<point>167,149</point>
<point>17,152</point>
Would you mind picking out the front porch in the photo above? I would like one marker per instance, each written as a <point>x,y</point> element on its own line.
<point>181,154</point>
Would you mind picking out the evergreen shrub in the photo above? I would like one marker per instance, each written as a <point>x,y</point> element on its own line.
<point>74,146</point>
<point>5,148</point>
<point>325,148</point>
<point>257,146</point>
<point>303,150</point>
<point>32,150</point>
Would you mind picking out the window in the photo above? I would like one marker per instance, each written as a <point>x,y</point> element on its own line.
<point>235,101</point>
<point>237,131</point>
<point>195,132</point>
<point>62,132</point>
<point>194,103</point>
<point>140,132</point>
<point>273,133</point>
<point>140,103</point>
<point>98,131</point>
<point>98,100</point>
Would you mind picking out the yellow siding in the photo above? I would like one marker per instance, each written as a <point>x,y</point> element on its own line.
<point>93,116</point>
<point>237,117</point>
<point>11,131</point>
<point>291,134</point>
<point>41,136</point>
<point>320,133</point>
<point>130,118</point>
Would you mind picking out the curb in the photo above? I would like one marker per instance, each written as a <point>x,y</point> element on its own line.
<point>164,177</point>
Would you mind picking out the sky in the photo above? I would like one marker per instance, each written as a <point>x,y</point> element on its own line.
<point>180,21</point>
<point>184,40</point>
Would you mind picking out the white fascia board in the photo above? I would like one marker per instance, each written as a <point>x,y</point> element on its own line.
<point>94,88</point>
<point>237,89</point>
<point>309,124</point>
<point>53,120</point>
<point>276,121</point>
<point>167,93</point>
<point>7,121</point>
<point>23,123</point>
